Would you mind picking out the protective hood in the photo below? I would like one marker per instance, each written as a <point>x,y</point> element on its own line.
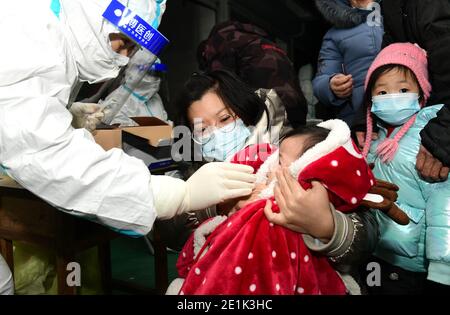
<point>340,14</point>
<point>88,35</point>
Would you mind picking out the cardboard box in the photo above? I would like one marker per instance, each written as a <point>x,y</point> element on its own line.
<point>150,141</point>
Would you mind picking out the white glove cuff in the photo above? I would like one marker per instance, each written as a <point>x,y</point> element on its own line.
<point>169,196</point>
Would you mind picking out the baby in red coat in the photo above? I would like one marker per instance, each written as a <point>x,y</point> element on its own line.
<point>293,145</point>
<point>245,253</point>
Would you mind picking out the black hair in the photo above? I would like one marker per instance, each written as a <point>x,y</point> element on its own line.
<point>384,69</point>
<point>235,94</point>
<point>315,135</point>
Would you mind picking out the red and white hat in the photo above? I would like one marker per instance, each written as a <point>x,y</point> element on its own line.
<point>336,162</point>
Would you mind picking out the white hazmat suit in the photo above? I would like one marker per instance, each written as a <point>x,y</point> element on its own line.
<point>144,100</point>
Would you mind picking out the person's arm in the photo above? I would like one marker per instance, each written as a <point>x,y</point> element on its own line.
<point>434,136</point>
<point>329,65</point>
<point>433,25</point>
<point>65,167</point>
<point>437,243</point>
<point>354,239</point>
<point>348,239</point>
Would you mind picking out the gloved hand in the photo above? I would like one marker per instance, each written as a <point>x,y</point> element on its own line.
<point>86,115</point>
<point>213,183</point>
<point>216,182</point>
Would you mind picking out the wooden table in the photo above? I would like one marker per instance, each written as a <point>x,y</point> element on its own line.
<point>27,218</point>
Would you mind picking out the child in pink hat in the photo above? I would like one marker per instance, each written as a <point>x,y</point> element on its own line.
<point>397,88</point>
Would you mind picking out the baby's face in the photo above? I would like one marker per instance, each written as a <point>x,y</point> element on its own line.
<point>291,149</point>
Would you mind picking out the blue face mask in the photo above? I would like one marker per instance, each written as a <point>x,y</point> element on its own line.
<point>396,108</point>
<point>225,142</point>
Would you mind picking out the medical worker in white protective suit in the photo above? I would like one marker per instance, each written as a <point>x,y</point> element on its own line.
<point>52,45</point>
<point>144,100</point>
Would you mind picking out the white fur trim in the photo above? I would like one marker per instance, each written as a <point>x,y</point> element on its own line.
<point>266,167</point>
<point>203,231</point>
<point>263,171</point>
<point>175,286</point>
<point>351,149</point>
<point>268,191</point>
<point>351,285</point>
<point>339,135</point>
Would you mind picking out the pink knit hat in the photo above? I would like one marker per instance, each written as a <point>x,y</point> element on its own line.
<point>414,58</point>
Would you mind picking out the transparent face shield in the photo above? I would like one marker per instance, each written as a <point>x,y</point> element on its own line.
<point>151,43</point>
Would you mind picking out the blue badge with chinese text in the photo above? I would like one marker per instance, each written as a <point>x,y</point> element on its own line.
<point>135,27</point>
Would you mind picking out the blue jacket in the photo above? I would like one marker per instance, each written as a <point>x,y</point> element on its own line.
<point>424,244</point>
<point>352,42</point>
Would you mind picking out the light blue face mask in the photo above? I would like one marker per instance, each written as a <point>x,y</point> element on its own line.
<point>224,142</point>
<point>395,108</point>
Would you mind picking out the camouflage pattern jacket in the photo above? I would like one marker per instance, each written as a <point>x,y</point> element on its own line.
<point>248,51</point>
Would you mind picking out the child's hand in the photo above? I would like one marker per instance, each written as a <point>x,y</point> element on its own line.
<point>303,211</point>
<point>342,85</point>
